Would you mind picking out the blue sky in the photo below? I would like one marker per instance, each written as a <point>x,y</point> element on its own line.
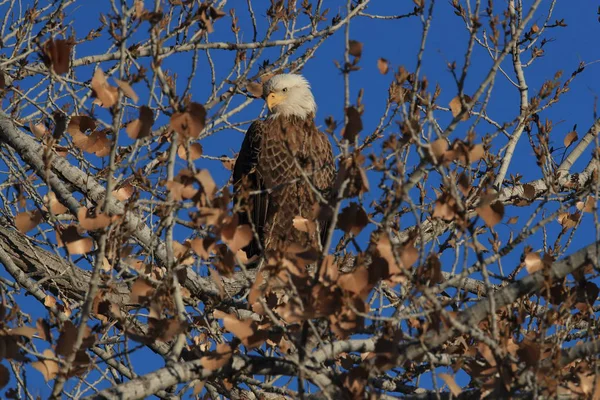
<point>398,41</point>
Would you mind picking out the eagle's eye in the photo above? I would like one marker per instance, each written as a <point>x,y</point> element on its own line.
<point>284,90</point>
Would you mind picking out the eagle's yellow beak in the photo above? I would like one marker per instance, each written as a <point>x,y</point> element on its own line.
<point>273,99</point>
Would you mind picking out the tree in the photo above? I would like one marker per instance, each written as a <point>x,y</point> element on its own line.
<point>461,260</point>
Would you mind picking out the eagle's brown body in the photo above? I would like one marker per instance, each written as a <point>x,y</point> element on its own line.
<point>288,160</point>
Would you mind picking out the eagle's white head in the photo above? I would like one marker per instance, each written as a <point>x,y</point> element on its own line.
<point>289,95</point>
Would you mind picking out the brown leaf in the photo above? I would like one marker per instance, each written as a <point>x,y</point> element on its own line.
<point>245,330</point>
<point>81,141</point>
<point>9,346</point>
<point>357,282</point>
<point>529,352</point>
<point>28,220</point>
<point>256,289</point>
<point>204,247</point>
<point>439,148</point>
<point>512,220</point>
<point>445,208</point>
<point>218,358</point>
<point>242,257</point>
<point>209,216</point>
<point>476,153</point>
<point>355,48</point>
<point>408,254</point>
<point>43,329</point>
<point>181,253</point>
<point>533,262</point>
<point>255,89</point>
<point>431,271</point>
<point>191,122</point>
<point>570,138</point>
<point>127,90</point>
<point>206,181</point>
<point>486,353</point>
<point>181,191</point>
<point>99,144</point>
<point>228,227</point>
<point>106,265</point>
<point>141,127</point>
<point>355,175</point>
<point>528,191</point>
<point>141,290</point>
<point>398,94</point>
<point>206,22</point>
<point>329,271</point>
<point>124,192</point>
<point>27,331</point>
<point>75,243</point>
<point>568,220</point>
<point>589,206</point>
<point>91,222</point>
<point>48,368</point>
<point>292,312</point>
<point>103,309</point>
<point>225,262</point>
<point>106,94</point>
<point>4,376</point>
<point>56,207</point>
<point>81,364</point>
<point>39,130</point>
<point>242,236</point>
<point>464,152</point>
<point>265,77</point>
<point>49,301</point>
<point>304,224</point>
<point>464,184</point>
<point>383,66</point>
<point>78,124</point>
<point>139,9</point>
<point>228,163</point>
<point>65,345</point>
<point>195,151</point>
<point>353,219</point>
<point>66,340</point>
<point>165,329</point>
<point>347,321</point>
<point>57,54</point>
<point>491,213</point>
<point>456,107</point>
<point>452,385</point>
<point>354,126</point>
<point>215,13</point>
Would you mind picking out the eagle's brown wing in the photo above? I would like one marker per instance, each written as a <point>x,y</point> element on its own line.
<point>293,151</point>
<point>277,157</point>
<point>245,179</point>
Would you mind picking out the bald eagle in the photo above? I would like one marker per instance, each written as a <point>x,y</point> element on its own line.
<point>284,168</point>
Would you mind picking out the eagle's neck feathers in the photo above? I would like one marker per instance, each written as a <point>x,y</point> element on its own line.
<point>307,120</point>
